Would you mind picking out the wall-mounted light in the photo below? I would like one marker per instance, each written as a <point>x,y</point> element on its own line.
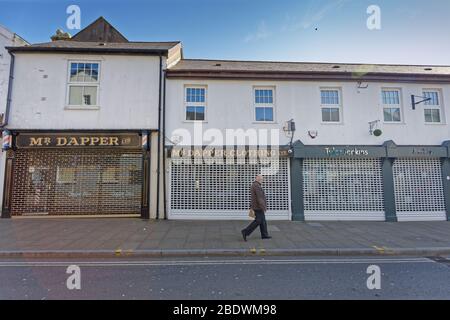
<point>289,129</point>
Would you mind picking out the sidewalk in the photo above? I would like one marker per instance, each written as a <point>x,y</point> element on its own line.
<point>134,237</point>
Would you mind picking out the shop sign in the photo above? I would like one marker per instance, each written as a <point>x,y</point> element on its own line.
<point>77,140</point>
<point>340,152</point>
<point>227,153</point>
<point>422,151</point>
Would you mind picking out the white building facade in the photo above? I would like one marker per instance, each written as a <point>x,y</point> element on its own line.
<point>100,125</point>
<point>7,38</point>
<point>362,150</point>
<point>84,122</point>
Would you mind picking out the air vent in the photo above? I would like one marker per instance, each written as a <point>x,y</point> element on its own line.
<point>336,67</point>
<point>218,65</point>
<point>428,69</point>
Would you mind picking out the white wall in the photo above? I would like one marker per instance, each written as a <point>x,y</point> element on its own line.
<point>6,39</point>
<point>128,94</point>
<point>230,105</point>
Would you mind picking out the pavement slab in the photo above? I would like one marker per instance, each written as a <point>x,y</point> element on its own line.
<point>219,237</point>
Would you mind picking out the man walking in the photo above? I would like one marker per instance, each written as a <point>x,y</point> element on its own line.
<point>259,205</point>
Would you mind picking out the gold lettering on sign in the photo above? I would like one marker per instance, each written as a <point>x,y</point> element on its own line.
<point>35,142</point>
<point>104,141</point>
<point>94,141</point>
<point>61,141</point>
<point>73,142</point>
<point>84,140</point>
<point>114,141</point>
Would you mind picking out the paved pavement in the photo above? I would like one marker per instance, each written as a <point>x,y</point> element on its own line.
<point>290,278</point>
<point>128,236</point>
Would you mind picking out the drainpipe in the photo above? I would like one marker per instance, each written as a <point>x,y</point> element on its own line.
<point>9,97</point>
<point>164,147</point>
<point>159,139</point>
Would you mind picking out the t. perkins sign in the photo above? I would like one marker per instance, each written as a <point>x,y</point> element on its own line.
<point>35,141</point>
<point>339,152</point>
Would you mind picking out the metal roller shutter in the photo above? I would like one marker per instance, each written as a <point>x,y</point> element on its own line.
<point>343,189</point>
<point>221,191</point>
<point>77,182</point>
<point>419,193</point>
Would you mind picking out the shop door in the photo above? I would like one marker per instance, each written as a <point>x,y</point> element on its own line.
<point>343,189</point>
<point>77,182</point>
<point>222,191</point>
<point>419,191</point>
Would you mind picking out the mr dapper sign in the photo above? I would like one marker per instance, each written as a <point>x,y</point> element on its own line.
<point>77,140</point>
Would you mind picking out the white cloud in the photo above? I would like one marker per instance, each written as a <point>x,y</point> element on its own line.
<point>261,33</point>
<point>312,16</point>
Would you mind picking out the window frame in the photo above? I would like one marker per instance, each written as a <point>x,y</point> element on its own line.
<point>338,106</point>
<point>187,104</point>
<point>264,105</point>
<point>439,107</point>
<point>392,106</point>
<point>70,84</point>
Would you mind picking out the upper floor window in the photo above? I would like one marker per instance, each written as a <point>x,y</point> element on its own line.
<point>391,99</point>
<point>264,104</point>
<point>195,103</point>
<point>83,84</point>
<point>331,105</point>
<point>433,107</point>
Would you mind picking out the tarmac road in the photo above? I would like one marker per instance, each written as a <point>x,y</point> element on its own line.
<point>226,278</point>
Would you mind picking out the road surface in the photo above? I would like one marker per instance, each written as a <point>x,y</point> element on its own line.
<point>235,278</point>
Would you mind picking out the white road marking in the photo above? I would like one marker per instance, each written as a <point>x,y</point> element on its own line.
<point>211,262</point>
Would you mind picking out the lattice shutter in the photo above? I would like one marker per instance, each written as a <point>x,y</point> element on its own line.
<point>222,190</point>
<point>418,189</point>
<point>346,189</point>
<point>90,182</point>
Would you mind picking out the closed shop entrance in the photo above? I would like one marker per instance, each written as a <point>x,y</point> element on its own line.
<point>78,181</point>
<point>222,191</point>
<point>343,189</point>
<point>419,192</point>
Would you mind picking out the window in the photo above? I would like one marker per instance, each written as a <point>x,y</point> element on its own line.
<point>83,84</point>
<point>433,106</point>
<point>195,103</point>
<point>331,105</point>
<point>391,105</point>
<point>264,104</point>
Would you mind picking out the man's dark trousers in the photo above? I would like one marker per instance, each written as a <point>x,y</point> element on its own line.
<point>259,221</point>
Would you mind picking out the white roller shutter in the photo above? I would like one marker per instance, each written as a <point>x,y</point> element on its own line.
<point>222,191</point>
<point>343,189</point>
<point>419,193</point>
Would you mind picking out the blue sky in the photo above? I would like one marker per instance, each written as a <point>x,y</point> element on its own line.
<point>412,31</point>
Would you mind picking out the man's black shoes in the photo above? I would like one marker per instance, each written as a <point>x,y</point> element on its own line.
<point>244,235</point>
<point>266,238</point>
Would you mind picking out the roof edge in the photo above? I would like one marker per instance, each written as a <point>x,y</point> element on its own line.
<point>29,49</point>
<point>308,76</point>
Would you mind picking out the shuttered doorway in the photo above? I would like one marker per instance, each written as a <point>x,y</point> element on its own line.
<point>77,182</point>
<point>419,193</point>
<point>343,189</point>
<point>222,191</point>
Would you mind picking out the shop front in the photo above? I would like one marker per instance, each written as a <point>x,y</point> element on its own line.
<point>420,180</point>
<point>370,183</point>
<point>207,184</point>
<point>77,174</point>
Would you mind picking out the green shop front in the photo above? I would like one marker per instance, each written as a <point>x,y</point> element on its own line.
<point>370,183</point>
